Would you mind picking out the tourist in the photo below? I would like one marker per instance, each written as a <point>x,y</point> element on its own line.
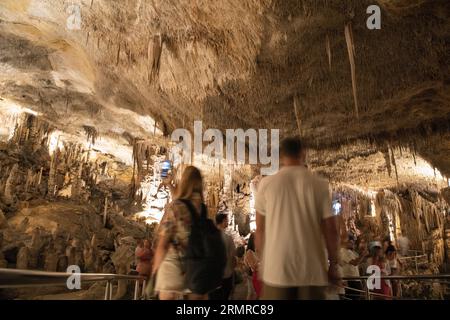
<point>362,250</point>
<point>139,245</point>
<point>295,230</point>
<point>377,259</point>
<point>254,285</point>
<point>386,243</point>
<point>361,245</point>
<point>224,292</point>
<point>403,245</point>
<point>394,265</point>
<point>350,261</point>
<point>144,255</point>
<point>173,236</point>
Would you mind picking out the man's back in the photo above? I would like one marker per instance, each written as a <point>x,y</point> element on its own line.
<point>294,203</point>
<point>231,250</point>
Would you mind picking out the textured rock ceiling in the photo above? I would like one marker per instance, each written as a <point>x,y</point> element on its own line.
<point>234,63</point>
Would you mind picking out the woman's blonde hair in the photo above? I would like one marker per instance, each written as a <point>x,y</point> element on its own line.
<point>191,182</point>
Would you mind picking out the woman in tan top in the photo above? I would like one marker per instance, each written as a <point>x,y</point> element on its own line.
<point>173,235</point>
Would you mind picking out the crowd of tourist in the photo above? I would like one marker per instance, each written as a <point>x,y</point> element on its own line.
<point>296,251</point>
<point>356,258</point>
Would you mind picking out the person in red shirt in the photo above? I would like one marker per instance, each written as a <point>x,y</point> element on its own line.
<point>144,255</point>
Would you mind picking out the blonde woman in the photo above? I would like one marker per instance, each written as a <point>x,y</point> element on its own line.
<point>173,236</point>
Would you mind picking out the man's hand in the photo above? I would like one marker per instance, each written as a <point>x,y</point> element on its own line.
<point>169,183</point>
<point>365,253</point>
<point>333,275</point>
<point>260,233</point>
<point>167,180</point>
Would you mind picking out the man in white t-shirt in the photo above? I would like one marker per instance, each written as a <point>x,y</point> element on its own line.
<point>350,261</point>
<point>296,230</point>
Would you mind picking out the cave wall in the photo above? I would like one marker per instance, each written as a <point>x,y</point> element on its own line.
<point>410,213</point>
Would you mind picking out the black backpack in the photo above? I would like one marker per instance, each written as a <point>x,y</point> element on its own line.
<point>205,257</point>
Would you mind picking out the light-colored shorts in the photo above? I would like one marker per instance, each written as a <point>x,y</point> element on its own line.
<point>170,278</point>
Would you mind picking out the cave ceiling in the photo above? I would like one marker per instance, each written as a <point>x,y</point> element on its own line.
<point>147,67</point>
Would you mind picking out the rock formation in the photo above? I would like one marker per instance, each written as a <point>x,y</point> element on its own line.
<point>87,111</point>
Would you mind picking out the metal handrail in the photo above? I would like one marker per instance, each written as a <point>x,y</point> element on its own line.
<point>420,277</point>
<point>413,257</point>
<point>368,293</point>
<point>14,278</point>
<point>399,277</point>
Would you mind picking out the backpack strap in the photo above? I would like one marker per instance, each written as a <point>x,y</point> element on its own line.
<point>193,211</point>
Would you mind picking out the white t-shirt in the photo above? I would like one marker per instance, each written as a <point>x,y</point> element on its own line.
<point>294,202</point>
<point>348,269</point>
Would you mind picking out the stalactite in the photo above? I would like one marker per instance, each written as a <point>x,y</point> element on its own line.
<point>105,211</point>
<point>351,57</point>
<point>91,134</point>
<point>328,49</point>
<point>387,160</point>
<point>394,164</point>
<point>297,115</point>
<point>154,56</point>
<point>118,55</point>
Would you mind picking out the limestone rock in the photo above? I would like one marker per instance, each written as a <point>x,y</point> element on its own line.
<point>124,254</point>
<point>51,259</point>
<point>3,221</point>
<point>3,262</point>
<point>60,218</point>
<point>22,258</point>
<point>123,258</point>
<point>124,227</point>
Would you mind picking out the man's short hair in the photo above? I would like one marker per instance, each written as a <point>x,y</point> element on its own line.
<point>390,248</point>
<point>220,218</point>
<point>291,147</point>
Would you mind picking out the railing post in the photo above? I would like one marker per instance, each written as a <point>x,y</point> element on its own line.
<point>366,288</point>
<point>107,290</point>
<point>110,291</point>
<point>415,262</point>
<point>143,288</point>
<point>136,289</point>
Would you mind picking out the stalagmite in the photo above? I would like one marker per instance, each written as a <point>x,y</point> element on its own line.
<point>29,180</point>
<point>87,117</point>
<point>3,262</point>
<point>10,184</point>
<point>105,211</point>
<point>22,258</point>
<point>51,259</point>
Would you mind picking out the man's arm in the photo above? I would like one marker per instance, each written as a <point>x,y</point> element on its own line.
<point>330,231</point>
<point>233,252</point>
<point>260,232</point>
<point>357,261</point>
